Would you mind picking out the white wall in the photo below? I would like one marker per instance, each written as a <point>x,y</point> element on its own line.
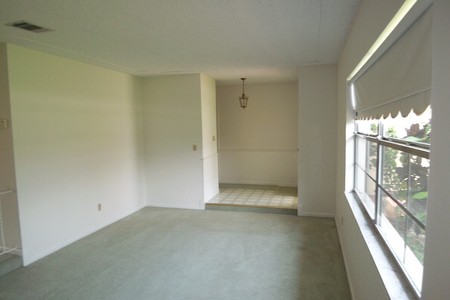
<point>173,124</point>
<point>10,211</point>
<point>371,19</point>
<point>77,143</point>
<point>258,145</point>
<point>317,140</point>
<point>209,138</point>
<point>437,248</point>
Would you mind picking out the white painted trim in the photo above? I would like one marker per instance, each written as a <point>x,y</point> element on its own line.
<point>210,156</point>
<point>280,184</point>
<point>159,205</point>
<point>259,150</point>
<point>16,251</point>
<point>317,215</point>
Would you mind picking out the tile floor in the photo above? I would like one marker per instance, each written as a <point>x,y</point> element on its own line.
<point>256,196</point>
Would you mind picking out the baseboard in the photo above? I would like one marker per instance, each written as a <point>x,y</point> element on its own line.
<point>250,208</point>
<point>13,251</point>
<point>313,214</point>
<point>175,206</point>
<point>283,184</point>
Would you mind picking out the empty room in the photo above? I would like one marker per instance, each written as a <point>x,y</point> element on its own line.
<point>205,149</point>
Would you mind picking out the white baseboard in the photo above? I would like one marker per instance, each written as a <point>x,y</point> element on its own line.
<point>13,251</point>
<point>162,205</point>
<point>284,184</point>
<point>313,214</point>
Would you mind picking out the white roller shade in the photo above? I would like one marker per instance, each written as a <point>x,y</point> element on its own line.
<point>400,81</point>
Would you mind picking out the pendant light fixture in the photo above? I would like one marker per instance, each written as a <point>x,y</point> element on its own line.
<point>243,99</point>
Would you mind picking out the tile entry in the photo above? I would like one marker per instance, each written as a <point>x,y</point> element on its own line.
<point>256,196</point>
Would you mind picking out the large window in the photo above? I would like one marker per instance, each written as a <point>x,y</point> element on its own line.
<point>391,177</point>
<point>390,91</point>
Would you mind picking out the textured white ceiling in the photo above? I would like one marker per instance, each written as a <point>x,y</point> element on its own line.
<point>263,40</point>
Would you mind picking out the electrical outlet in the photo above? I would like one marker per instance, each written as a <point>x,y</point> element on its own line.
<point>99,207</point>
<point>194,147</point>
<point>214,138</point>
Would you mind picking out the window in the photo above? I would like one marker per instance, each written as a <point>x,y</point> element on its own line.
<point>390,90</point>
<point>391,178</point>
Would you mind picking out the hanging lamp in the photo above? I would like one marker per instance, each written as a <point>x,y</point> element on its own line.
<point>243,99</point>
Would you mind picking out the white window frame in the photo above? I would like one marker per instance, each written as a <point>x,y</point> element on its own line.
<point>413,271</point>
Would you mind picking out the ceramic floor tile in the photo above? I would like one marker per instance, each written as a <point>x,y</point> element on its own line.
<point>271,196</point>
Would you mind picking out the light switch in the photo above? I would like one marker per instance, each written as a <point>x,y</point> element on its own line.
<point>3,123</point>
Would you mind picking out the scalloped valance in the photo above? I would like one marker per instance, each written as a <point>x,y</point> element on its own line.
<point>400,81</point>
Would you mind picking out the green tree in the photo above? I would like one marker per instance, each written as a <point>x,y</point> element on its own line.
<point>412,175</point>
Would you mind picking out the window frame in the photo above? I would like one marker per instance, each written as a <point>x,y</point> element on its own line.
<point>413,149</point>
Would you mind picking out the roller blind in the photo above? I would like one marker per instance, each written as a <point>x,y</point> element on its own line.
<point>400,81</point>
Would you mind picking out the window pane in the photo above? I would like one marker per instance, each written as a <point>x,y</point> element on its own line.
<point>361,150</point>
<point>371,159</point>
<point>402,189</point>
<point>419,169</point>
<point>365,187</point>
<point>393,180</point>
<point>369,127</point>
<point>393,225</point>
<point>405,177</point>
<point>412,128</point>
<point>415,241</point>
<point>405,238</point>
<point>367,156</point>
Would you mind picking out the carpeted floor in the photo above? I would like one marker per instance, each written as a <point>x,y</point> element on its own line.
<point>187,254</point>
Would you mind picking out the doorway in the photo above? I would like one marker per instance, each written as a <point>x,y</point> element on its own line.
<point>258,146</point>
<point>256,198</point>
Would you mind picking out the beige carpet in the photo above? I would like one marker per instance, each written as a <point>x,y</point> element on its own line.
<point>190,254</point>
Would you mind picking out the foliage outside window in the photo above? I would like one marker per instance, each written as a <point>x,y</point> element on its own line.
<point>391,178</point>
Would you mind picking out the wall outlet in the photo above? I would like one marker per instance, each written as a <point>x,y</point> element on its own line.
<point>214,138</point>
<point>194,147</point>
<point>99,207</point>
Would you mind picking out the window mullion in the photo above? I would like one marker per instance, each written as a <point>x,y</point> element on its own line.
<point>378,206</point>
<point>379,179</point>
<point>355,151</point>
<point>408,198</point>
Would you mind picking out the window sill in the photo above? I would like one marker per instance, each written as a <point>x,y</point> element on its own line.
<point>395,282</point>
